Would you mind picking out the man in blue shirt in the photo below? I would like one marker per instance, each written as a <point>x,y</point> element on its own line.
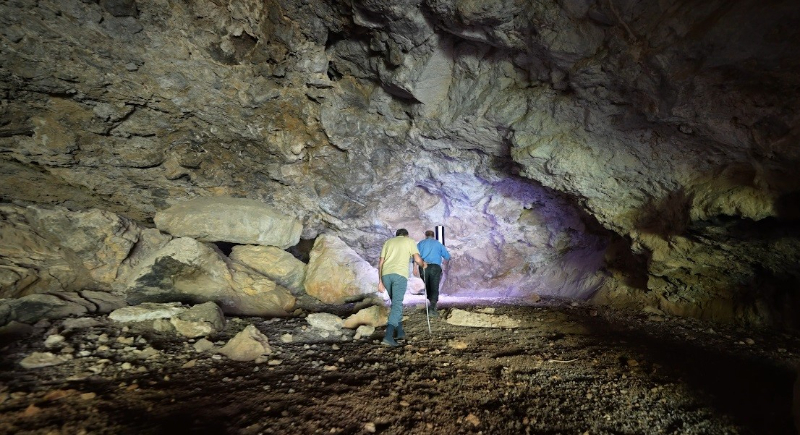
<point>432,253</point>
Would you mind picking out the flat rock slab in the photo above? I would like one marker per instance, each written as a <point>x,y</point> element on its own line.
<point>234,220</point>
<point>481,320</point>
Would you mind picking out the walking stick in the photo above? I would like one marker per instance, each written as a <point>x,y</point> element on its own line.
<point>427,314</point>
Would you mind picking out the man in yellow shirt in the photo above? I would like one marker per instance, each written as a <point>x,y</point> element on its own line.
<point>393,273</point>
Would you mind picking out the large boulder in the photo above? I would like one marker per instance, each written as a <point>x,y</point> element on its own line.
<point>274,263</point>
<point>235,220</point>
<point>336,272</point>
<point>57,305</point>
<point>55,249</point>
<point>189,271</point>
<point>32,308</point>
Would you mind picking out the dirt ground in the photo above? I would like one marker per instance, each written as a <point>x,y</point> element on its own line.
<point>570,370</point>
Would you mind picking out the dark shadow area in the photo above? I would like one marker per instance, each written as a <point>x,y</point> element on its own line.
<point>302,250</point>
<point>225,247</point>
<point>751,388</point>
<point>668,216</point>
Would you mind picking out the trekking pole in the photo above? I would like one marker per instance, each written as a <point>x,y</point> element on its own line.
<point>427,314</point>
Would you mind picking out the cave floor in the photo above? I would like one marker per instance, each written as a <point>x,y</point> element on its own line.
<point>571,370</point>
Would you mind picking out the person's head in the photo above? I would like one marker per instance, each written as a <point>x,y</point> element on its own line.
<point>401,232</point>
<point>429,234</point>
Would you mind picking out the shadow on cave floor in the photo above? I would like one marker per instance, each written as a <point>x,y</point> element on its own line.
<point>565,370</point>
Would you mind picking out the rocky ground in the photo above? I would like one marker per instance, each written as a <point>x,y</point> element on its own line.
<point>569,369</point>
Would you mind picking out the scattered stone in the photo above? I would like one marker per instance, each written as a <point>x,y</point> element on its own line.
<point>31,410</point>
<point>88,396</point>
<point>287,338</point>
<point>247,345</point>
<point>749,341</point>
<point>369,427</point>
<point>189,364</point>
<point>203,345</point>
<point>126,366</point>
<point>53,340</point>
<point>457,344</point>
<point>274,362</point>
<point>199,321</point>
<point>43,359</point>
<point>473,419</point>
<point>325,321</point>
<point>374,316</point>
<point>125,340</point>
<point>364,331</point>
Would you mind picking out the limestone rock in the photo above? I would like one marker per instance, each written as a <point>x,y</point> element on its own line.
<point>104,301</point>
<point>188,271</point>
<point>146,311</point>
<point>325,321</point>
<point>374,316</point>
<point>235,220</point>
<point>364,331</point>
<point>336,272</point>
<point>248,345</point>
<point>79,323</point>
<point>32,308</point>
<point>199,320</point>
<point>274,263</point>
<point>480,320</point>
<point>43,359</point>
<point>72,250</point>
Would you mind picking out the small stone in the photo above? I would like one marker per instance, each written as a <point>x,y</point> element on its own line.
<point>43,359</point>
<point>31,410</point>
<point>330,368</point>
<point>103,338</point>
<point>749,341</point>
<point>335,347</point>
<point>369,427</point>
<point>126,366</point>
<point>53,340</point>
<point>287,338</point>
<point>274,362</point>
<point>189,364</point>
<point>473,420</point>
<point>203,345</point>
<point>88,396</point>
<point>125,340</point>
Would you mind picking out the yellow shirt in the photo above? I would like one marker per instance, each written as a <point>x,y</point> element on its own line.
<point>396,254</point>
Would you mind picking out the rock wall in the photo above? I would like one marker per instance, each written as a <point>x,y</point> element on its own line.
<point>643,148</point>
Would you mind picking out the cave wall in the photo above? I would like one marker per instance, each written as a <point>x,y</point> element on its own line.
<point>642,152</point>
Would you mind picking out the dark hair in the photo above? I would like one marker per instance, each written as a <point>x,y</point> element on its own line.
<point>429,233</point>
<point>401,232</point>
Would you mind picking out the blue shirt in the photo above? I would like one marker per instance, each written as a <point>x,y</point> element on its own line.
<point>432,251</point>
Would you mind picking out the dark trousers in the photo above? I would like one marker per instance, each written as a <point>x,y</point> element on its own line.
<point>432,275</point>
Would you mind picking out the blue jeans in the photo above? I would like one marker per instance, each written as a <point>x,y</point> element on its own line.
<point>396,286</point>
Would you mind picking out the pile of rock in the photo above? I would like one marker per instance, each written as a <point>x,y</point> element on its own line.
<point>54,255</point>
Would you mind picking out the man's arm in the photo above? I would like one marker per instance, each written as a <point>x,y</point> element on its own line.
<point>418,260</point>
<point>380,274</point>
